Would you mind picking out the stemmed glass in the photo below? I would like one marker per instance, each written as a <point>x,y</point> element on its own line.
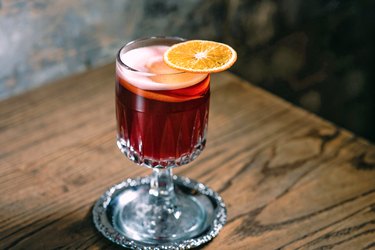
<point>162,117</point>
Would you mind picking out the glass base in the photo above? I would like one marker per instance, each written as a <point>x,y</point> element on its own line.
<point>127,215</point>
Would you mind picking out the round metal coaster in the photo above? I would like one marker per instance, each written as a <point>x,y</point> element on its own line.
<point>112,202</point>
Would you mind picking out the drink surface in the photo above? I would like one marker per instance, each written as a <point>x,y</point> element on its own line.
<point>156,75</point>
<point>162,113</point>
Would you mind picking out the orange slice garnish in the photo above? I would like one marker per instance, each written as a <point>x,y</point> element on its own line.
<point>200,56</point>
<point>178,95</point>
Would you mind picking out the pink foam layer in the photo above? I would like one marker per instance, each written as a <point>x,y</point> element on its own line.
<point>153,73</point>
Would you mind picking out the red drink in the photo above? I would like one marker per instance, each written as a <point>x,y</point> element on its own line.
<point>161,115</point>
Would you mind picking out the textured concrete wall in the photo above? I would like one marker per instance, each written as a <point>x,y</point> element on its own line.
<point>317,54</point>
<point>44,40</point>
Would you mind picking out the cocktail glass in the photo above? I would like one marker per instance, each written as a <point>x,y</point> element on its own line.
<point>162,117</point>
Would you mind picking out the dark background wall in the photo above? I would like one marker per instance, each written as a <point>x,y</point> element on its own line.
<point>317,54</point>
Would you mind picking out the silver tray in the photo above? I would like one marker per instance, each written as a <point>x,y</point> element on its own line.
<point>108,205</point>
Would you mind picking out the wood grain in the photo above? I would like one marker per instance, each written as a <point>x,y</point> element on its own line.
<point>290,180</point>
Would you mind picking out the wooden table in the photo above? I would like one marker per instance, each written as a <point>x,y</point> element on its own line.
<point>290,180</point>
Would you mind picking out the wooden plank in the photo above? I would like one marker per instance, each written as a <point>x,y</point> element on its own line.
<point>290,180</point>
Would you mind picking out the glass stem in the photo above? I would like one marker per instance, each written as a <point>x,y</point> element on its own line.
<point>162,188</point>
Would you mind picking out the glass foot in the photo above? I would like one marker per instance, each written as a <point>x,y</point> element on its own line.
<point>127,215</point>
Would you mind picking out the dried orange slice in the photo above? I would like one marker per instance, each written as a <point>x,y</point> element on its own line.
<point>200,56</point>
